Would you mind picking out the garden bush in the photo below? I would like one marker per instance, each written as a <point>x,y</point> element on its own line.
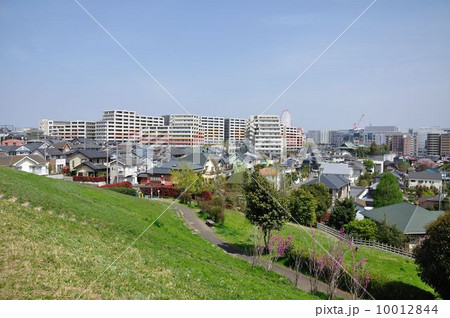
<point>124,184</point>
<point>88,179</point>
<point>126,191</point>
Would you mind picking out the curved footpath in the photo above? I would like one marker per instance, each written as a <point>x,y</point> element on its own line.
<point>199,226</point>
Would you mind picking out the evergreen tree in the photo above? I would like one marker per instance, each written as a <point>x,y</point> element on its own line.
<point>343,212</point>
<point>302,207</point>
<point>387,192</point>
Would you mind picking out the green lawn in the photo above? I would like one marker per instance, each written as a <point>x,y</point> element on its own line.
<point>57,255</point>
<point>238,231</point>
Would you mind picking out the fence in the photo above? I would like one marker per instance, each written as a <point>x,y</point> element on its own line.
<point>367,243</point>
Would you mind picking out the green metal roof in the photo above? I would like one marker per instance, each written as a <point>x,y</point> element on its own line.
<point>409,218</point>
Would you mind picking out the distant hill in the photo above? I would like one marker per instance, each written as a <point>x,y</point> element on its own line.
<point>57,252</point>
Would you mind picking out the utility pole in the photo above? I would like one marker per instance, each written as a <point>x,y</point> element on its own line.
<point>107,159</point>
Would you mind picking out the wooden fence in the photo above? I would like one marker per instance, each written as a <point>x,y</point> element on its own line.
<point>367,243</point>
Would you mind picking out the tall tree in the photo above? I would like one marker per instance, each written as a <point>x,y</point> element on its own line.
<point>322,196</point>
<point>186,179</point>
<point>433,256</point>
<point>374,150</point>
<point>263,204</point>
<point>343,212</point>
<point>388,191</point>
<point>302,207</point>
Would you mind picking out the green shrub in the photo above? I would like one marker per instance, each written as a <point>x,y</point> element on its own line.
<point>126,191</point>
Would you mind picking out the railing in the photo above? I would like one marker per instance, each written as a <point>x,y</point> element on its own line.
<point>367,243</point>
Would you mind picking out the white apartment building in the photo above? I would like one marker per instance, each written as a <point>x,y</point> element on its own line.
<point>292,138</point>
<point>235,129</point>
<point>68,129</point>
<point>264,133</point>
<point>178,130</point>
<point>124,125</point>
<point>213,129</point>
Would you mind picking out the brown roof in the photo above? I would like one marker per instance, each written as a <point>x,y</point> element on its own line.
<point>268,172</point>
<point>9,161</point>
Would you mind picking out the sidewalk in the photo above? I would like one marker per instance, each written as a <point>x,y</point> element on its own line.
<point>207,233</point>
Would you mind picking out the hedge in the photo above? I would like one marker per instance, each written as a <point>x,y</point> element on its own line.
<point>123,184</point>
<point>126,191</point>
<point>89,179</point>
<point>164,191</point>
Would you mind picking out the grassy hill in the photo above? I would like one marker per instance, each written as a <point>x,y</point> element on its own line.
<point>399,270</point>
<point>59,251</point>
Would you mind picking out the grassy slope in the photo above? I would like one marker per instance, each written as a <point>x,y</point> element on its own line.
<point>46,255</point>
<point>237,230</point>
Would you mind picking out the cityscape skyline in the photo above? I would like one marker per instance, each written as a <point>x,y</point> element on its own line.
<point>390,65</point>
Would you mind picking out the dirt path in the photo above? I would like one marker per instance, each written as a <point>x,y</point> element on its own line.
<point>199,226</point>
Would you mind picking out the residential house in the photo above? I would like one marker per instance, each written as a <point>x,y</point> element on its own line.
<point>89,169</point>
<point>410,219</point>
<point>77,157</point>
<point>27,163</point>
<point>338,186</point>
<point>339,169</point>
<point>426,179</point>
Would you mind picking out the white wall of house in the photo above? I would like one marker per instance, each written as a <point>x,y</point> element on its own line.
<point>28,165</point>
<point>425,183</point>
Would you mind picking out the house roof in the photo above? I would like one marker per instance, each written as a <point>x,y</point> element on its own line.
<point>91,154</point>
<point>335,168</point>
<point>95,167</point>
<point>425,175</point>
<point>407,217</point>
<point>9,161</point>
<point>331,181</point>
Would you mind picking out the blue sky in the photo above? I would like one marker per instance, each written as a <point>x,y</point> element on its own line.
<point>228,58</point>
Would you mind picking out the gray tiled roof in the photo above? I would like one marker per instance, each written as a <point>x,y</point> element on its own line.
<point>425,175</point>
<point>331,181</point>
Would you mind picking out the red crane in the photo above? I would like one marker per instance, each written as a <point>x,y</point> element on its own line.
<point>355,125</point>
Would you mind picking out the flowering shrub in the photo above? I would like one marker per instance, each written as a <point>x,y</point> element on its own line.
<point>124,184</point>
<point>89,179</point>
<point>206,195</point>
<point>277,246</point>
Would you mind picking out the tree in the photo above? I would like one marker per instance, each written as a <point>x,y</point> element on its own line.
<point>384,149</point>
<point>374,150</point>
<point>387,192</point>
<point>404,166</point>
<point>433,256</point>
<point>322,196</point>
<point>424,164</point>
<point>302,207</point>
<point>390,235</point>
<point>186,179</point>
<point>263,204</point>
<point>343,212</point>
<point>365,179</point>
<point>365,229</point>
<point>369,165</point>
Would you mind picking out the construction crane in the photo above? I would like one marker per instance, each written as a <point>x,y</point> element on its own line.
<point>355,125</point>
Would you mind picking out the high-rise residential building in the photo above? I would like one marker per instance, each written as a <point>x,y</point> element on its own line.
<point>422,133</point>
<point>264,133</point>
<point>433,144</point>
<point>67,129</point>
<point>292,138</point>
<point>124,125</point>
<point>445,145</point>
<point>320,137</point>
<point>235,133</point>
<point>409,145</point>
<point>178,130</point>
<point>213,129</point>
